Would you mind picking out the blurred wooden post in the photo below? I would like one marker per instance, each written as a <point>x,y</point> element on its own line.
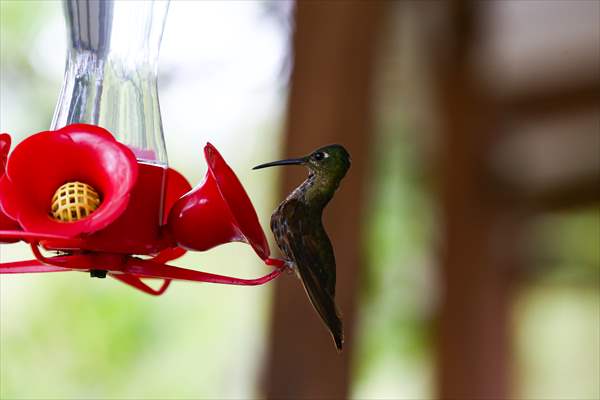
<point>335,45</point>
<point>479,234</point>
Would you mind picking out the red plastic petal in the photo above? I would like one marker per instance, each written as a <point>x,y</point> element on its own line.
<point>6,223</point>
<point>45,161</point>
<point>239,203</point>
<point>137,230</point>
<point>216,211</point>
<point>177,186</point>
<point>4,148</point>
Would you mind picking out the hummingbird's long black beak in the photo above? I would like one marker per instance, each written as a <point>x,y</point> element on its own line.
<point>290,161</point>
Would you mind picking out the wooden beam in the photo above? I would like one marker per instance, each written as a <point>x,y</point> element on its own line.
<point>579,192</point>
<point>479,236</point>
<point>335,47</point>
<point>578,96</point>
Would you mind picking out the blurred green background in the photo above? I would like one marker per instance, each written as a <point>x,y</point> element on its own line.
<point>64,335</point>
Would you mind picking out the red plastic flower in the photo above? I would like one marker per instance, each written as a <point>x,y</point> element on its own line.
<point>40,164</point>
<point>6,223</point>
<point>4,148</point>
<point>243,214</point>
<point>217,211</point>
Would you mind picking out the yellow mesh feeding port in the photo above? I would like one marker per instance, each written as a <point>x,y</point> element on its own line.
<point>74,201</point>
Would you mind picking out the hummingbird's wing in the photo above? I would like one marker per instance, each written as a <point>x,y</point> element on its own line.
<point>313,256</point>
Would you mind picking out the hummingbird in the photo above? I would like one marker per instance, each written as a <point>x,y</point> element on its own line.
<point>298,230</point>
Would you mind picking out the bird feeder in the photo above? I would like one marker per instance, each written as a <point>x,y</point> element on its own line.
<point>96,188</point>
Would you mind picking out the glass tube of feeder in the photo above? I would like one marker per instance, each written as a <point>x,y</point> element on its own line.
<point>111,81</point>
<point>111,73</point>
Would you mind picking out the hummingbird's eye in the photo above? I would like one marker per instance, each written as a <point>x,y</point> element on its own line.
<point>319,156</point>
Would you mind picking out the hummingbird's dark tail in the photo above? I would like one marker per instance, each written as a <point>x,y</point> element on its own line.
<point>338,335</point>
<point>329,314</point>
<point>327,310</point>
<point>324,303</point>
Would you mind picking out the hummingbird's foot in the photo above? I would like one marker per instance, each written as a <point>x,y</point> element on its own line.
<point>291,268</point>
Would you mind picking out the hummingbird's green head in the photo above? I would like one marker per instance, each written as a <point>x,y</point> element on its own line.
<point>331,161</point>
